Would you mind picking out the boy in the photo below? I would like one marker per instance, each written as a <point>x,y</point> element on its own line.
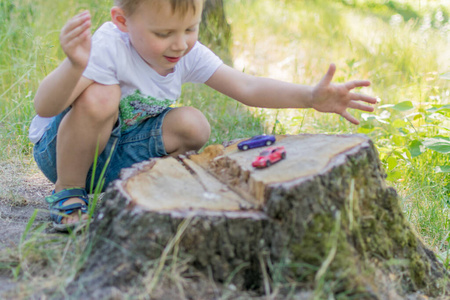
<point>115,95</point>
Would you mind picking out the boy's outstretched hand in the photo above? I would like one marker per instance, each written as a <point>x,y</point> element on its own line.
<point>336,98</point>
<point>75,39</point>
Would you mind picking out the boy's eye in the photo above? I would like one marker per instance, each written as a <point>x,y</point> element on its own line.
<point>192,29</point>
<point>162,34</point>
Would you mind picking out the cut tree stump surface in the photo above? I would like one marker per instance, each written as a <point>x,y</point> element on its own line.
<point>169,185</point>
<point>322,213</point>
<point>191,184</point>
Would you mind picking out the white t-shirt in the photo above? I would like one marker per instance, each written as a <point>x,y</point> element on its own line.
<point>145,93</point>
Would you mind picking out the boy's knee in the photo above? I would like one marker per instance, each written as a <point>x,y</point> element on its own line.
<point>99,101</point>
<point>195,125</point>
<point>191,126</point>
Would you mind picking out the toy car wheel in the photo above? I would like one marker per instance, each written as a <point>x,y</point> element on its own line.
<point>268,163</point>
<point>268,143</point>
<point>283,155</point>
<point>245,147</point>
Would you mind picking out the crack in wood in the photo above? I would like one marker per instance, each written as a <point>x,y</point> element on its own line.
<point>206,178</point>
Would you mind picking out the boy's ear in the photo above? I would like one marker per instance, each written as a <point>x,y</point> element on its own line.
<point>119,19</point>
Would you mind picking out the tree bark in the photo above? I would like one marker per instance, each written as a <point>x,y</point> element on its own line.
<point>215,32</point>
<point>323,215</point>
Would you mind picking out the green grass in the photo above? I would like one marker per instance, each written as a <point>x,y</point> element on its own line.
<point>402,48</point>
<point>29,34</point>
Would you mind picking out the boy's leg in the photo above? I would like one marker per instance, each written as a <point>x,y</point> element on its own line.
<point>88,123</point>
<point>185,129</point>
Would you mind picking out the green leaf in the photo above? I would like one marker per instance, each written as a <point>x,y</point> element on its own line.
<point>438,144</point>
<point>417,116</point>
<point>439,108</point>
<point>366,129</point>
<point>415,148</point>
<point>398,140</point>
<point>443,169</point>
<point>403,106</point>
<point>399,123</point>
<point>394,176</point>
<point>446,76</point>
<point>391,163</point>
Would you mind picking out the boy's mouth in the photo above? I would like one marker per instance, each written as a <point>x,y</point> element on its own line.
<point>172,59</point>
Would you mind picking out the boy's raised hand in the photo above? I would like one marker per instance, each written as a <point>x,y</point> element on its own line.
<point>75,39</point>
<point>336,98</point>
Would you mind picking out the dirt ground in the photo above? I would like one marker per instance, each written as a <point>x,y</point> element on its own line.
<point>22,191</point>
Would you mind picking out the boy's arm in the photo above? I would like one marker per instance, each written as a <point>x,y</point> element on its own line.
<point>61,87</point>
<point>270,93</point>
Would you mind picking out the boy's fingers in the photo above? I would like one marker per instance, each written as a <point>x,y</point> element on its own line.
<point>83,15</point>
<point>361,97</point>
<point>326,80</point>
<point>350,118</point>
<point>360,106</point>
<point>78,31</point>
<point>356,83</point>
<point>76,22</point>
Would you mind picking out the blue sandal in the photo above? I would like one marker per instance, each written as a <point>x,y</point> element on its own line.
<point>58,210</point>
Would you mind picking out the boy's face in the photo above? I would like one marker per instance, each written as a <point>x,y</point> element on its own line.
<point>162,37</point>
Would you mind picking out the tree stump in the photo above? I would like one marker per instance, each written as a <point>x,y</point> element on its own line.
<point>322,215</point>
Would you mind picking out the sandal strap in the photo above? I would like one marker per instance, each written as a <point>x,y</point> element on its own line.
<point>63,195</point>
<point>57,213</point>
<point>68,209</point>
<point>56,202</point>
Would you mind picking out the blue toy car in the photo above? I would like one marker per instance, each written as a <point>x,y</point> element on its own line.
<point>257,141</point>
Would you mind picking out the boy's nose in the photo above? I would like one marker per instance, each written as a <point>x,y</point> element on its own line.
<point>180,44</point>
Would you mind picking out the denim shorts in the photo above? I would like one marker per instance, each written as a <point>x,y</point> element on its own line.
<point>124,149</point>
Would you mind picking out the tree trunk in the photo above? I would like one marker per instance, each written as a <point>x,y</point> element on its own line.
<point>215,32</point>
<point>323,215</point>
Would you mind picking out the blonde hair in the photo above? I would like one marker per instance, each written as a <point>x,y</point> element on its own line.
<point>178,6</point>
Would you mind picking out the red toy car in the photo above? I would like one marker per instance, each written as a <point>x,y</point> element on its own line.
<point>269,156</point>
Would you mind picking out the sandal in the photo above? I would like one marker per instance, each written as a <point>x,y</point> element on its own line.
<point>58,210</point>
